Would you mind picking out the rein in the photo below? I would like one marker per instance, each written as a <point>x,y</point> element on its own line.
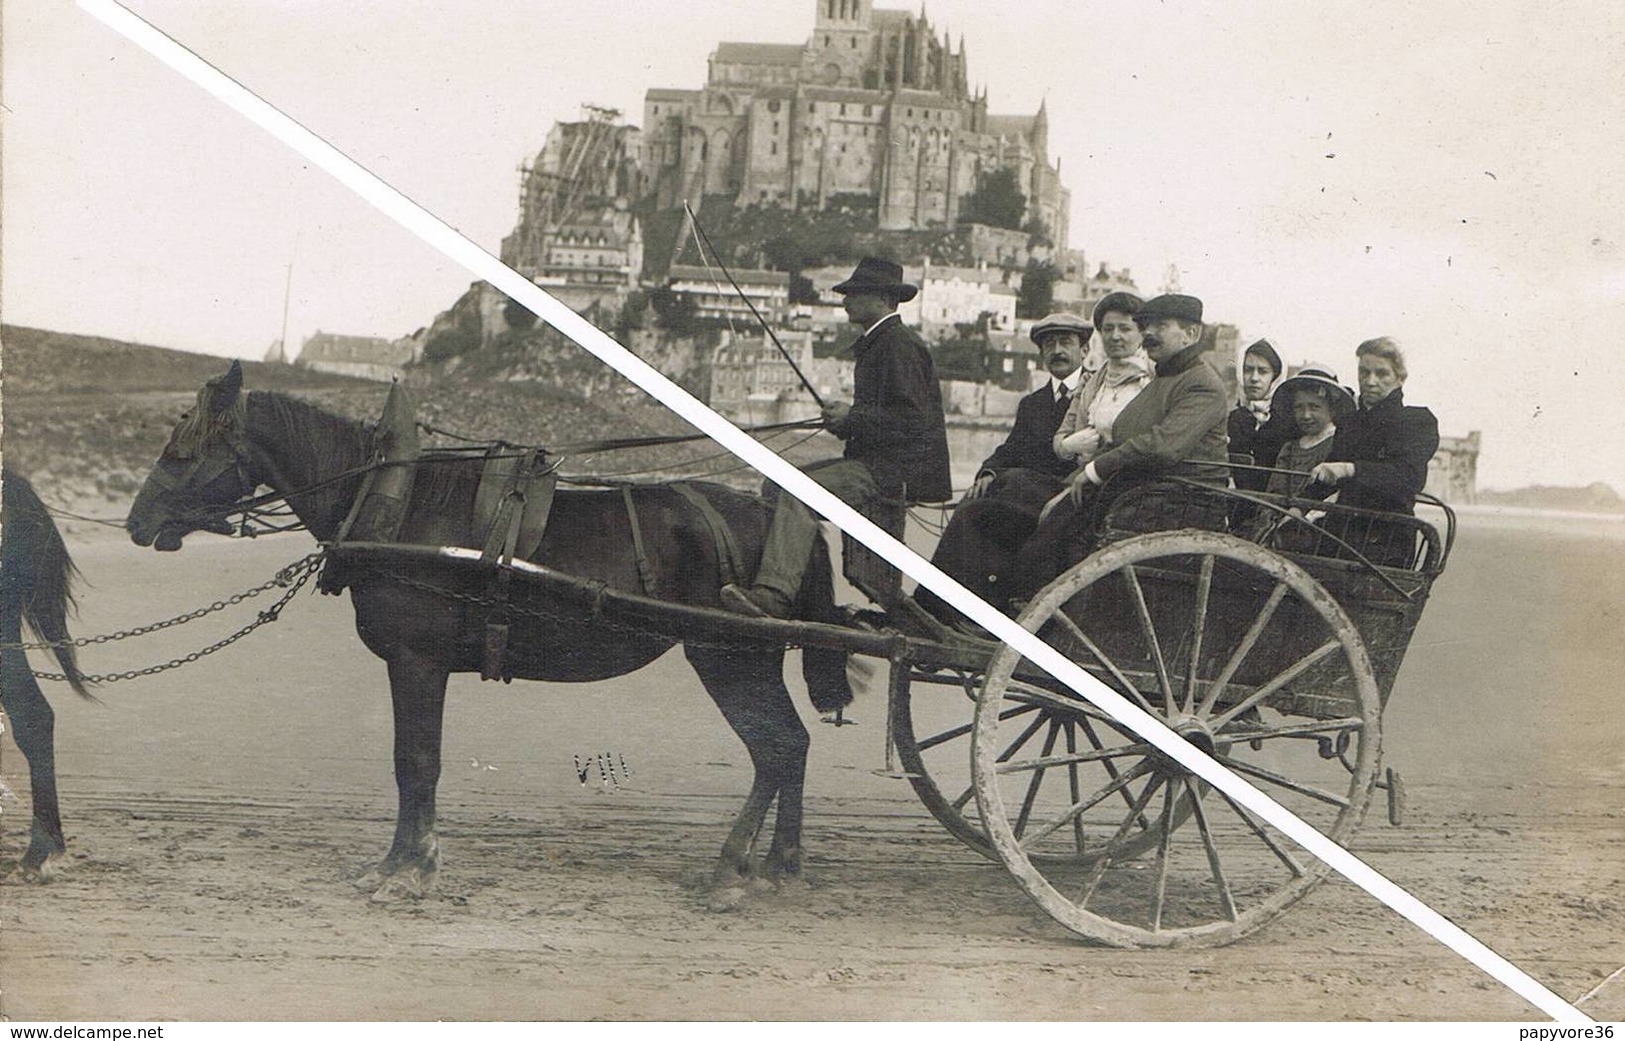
<point>256,508</point>
<point>610,445</point>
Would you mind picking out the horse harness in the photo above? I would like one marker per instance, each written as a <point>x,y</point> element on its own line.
<point>520,520</point>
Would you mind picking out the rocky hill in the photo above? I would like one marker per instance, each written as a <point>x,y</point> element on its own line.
<point>1593,498</point>
<point>85,417</point>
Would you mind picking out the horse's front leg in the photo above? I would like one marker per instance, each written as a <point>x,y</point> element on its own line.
<point>417,688</point>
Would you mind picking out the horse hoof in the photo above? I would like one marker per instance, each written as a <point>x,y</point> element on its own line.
<point>411,884</point>
<point>41,874</point>
<point>370,879</point>
<point>727,898</point>
<point>782,871</point>
<point>790,881</point>
<point>394,891</point>
<point>39,866</point>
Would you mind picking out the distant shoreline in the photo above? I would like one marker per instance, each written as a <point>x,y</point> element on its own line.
<point>1484,509</point>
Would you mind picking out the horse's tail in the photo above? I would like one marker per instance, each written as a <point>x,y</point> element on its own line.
<point>37,574</point>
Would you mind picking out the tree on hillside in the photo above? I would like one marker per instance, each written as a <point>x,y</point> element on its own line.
<point>517,315</point>
<point>1037,294</point>
<point>997,200</point>
<point>673,311</point>
<point>802,290</point>
<point>816,245</point>
<point>1037,234</point>
<point>634,314</point>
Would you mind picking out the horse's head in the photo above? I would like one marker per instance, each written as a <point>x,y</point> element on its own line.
<point>202,473</point>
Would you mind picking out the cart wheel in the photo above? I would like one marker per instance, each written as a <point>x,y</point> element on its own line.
<point>932,731</point>
<point>1244,654</point>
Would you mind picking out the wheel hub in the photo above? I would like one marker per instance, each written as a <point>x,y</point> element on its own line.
<point>1192,730</point>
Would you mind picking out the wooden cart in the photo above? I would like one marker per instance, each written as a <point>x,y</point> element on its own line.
<point>1273,650</point>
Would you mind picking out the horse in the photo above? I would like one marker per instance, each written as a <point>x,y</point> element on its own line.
<point>36,578</point>
<point>234,442</point>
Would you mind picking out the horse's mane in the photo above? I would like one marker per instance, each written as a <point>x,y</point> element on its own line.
<point>339,443</point>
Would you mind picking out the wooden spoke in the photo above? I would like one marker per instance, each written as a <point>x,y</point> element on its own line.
<point>1243,649</point>
<point>1204,586</point>
<point>1142,609</point>
<point>1073,788</point>
<point>1279,680</point>
<point>1226,899</point>
<point>1111,769</point>
<point>1128,689</point>
<point>1098,755</point>
<point>1021,738</point>
<point>960,731</point>
<point>1281,853</point>
<point>1288,783</point>
<point>1069,702</point>
<point>1160,892</point>
<point>1134,773</point>
<point>1037,779</point>
<point>1098,871</point>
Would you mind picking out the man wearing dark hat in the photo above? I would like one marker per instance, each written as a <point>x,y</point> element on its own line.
<point>1001,508</point>
<point>1254,429</point>
<point>1175,426</point>
<point>896,438</point>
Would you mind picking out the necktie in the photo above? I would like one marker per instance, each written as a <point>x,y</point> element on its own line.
<point>1062,396</point>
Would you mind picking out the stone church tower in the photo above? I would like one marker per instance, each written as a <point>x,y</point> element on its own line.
<point>874,109</point>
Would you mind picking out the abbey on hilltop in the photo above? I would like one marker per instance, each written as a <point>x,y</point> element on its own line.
<point>873,107</point>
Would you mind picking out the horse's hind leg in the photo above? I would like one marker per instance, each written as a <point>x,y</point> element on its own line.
<point>749,689</point>
<point>33,726</point>
<point>418,692</point>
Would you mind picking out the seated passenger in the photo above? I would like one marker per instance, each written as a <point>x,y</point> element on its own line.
<point>1175,426</point>
<point>1316,402</point>
<point>1001,507</point>
<point>1379,458</point>
<point>1087,425</point>
<point>1255,426</point>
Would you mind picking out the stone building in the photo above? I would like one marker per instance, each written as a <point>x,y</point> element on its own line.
<point>577,236</point>
<point>1453,470</point>
<point>714,296</point>
<point>365,357</point>
<point>873,105</point>
<point>753,384</point>
<point>952,296</point>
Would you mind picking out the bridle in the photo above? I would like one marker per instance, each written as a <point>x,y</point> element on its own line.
<point>194,443</point>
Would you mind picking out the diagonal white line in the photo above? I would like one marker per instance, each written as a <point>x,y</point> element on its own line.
<point>451,243</point>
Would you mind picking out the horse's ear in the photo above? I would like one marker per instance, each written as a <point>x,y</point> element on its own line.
<point>224,389</point>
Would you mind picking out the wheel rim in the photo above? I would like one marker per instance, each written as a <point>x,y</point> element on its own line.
<point>1231,646</point>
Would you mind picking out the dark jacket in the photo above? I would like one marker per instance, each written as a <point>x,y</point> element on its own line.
<point>896,427</point>
<point>1261,441</point>
<point>1175,426</point>
<point>1029,445</point>
<point>1390,446</point>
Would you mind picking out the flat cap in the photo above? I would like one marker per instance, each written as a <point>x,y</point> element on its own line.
<point>1171,305</point>
<point>1062,322</point>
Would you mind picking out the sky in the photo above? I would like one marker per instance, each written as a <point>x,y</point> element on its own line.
<point>1451,174</point>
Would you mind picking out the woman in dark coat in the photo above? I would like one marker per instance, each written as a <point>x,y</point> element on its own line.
<point>1255,430</point>
<point>1379,458</point>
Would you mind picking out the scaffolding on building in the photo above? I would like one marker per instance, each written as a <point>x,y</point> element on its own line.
<point>557,187</point>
